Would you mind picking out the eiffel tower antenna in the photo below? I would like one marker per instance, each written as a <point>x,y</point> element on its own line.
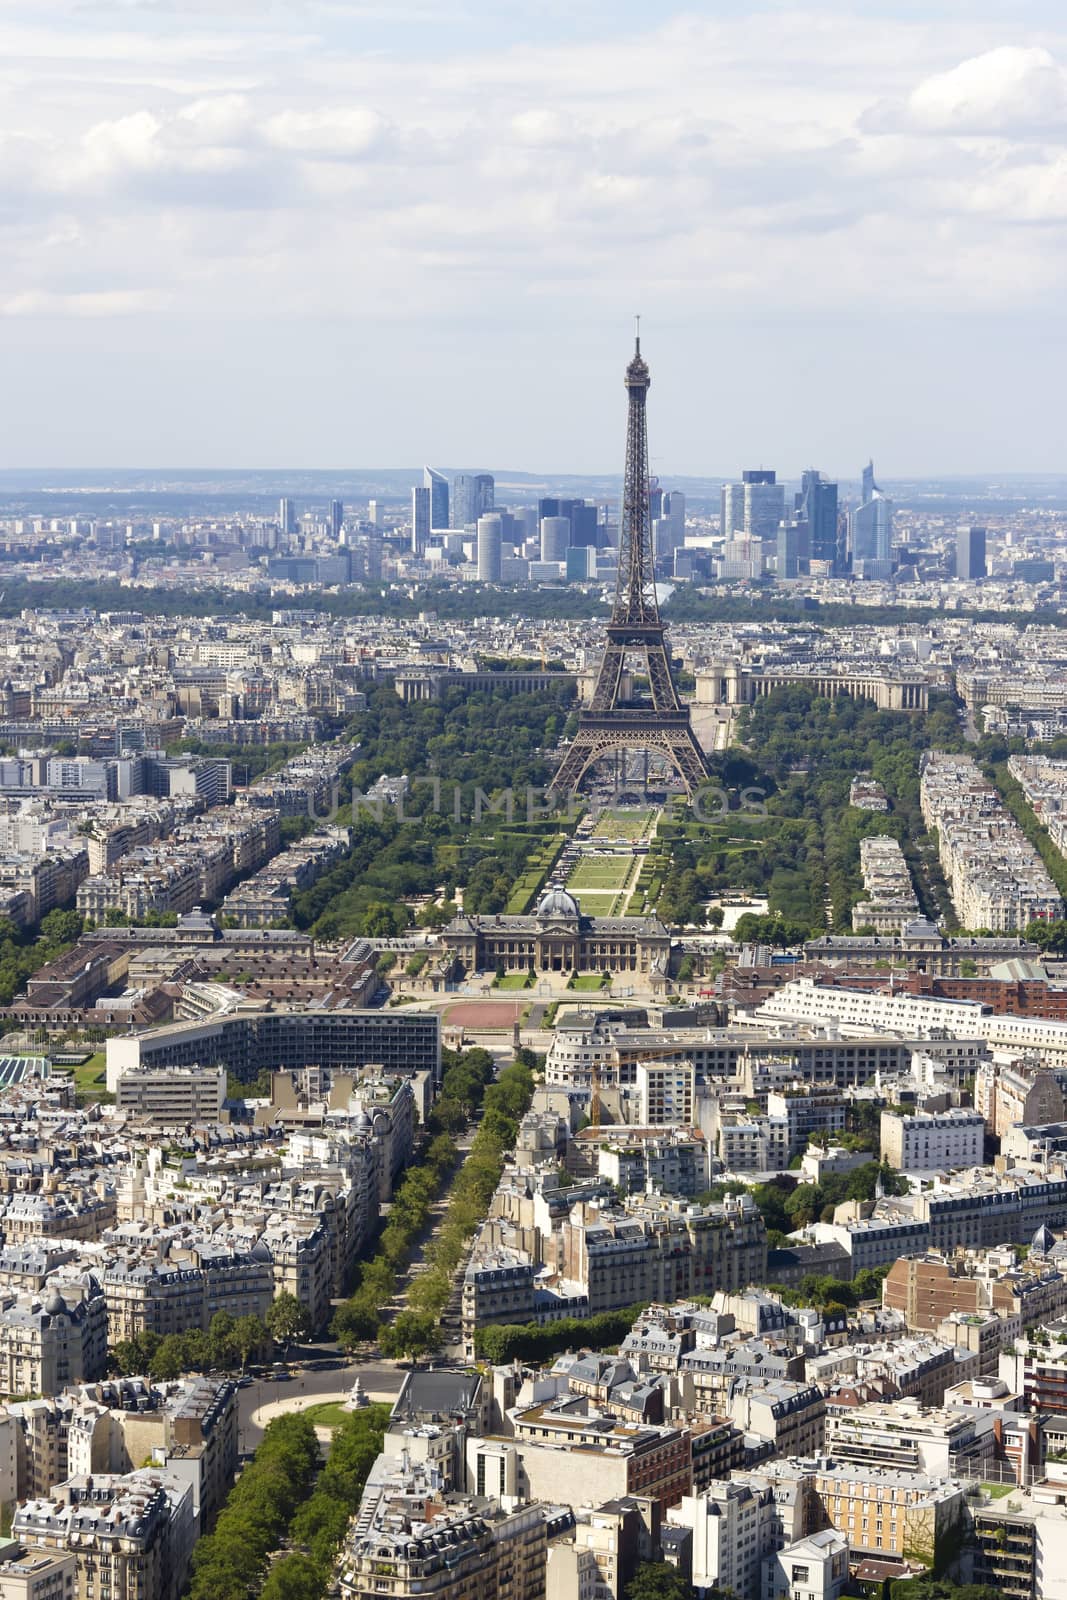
<point>612,723</point>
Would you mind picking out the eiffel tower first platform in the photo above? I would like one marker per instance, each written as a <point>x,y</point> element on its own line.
<point>660,726</point>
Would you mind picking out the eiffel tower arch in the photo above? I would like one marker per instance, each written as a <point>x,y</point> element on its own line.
<point>612,724</point>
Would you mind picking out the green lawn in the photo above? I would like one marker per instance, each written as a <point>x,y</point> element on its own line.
<point>624,823</point>
<point>587,981</point>
<point>594,902</point>
<point>328,1414</point>
<point>604,872</point>
<point>91,1076</point>
<point>997,1491</point>
<point>514,980</point>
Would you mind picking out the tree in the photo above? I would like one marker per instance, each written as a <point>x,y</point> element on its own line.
<point>249,1336</point>
<point>294,1577</point>
<point>355,1322</point>
<point>658,1580</point>
<point>221,1340</point>
<point>383,921</point>
<point>412,1333</point>
<point>287,1319</point>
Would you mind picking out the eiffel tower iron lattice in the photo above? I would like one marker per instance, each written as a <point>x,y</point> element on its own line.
<point>613,724</point>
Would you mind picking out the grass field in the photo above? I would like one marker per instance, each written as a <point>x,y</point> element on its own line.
<point>600,872</point>
<point>587,982</point>
<point>330,1414</point>
<point>625,823</point>
<point>90,1078</point>
<point>514,980</point>
<point>600,884</point>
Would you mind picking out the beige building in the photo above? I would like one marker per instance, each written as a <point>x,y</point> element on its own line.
<point>413,1538</point>
<point>175,1095</point>
<point>49,1342</point>
<point>38,1575</point>
<point>173,1297</point>
<point>558,937</point>
<point>129,1536</point>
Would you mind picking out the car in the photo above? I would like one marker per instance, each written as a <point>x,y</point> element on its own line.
<point>244,1381</point>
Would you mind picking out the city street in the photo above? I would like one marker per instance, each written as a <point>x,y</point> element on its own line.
<point>380,1379</point>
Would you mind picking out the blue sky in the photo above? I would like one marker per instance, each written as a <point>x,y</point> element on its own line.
<point>322,233</point>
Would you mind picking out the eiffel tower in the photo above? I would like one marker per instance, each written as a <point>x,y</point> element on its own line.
<point>613,724</point>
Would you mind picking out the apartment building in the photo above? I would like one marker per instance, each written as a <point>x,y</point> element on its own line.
<point>889,902</point>
<point>815,1568</point>
<point>561,1453</point>
<point>147,1294</point>
<point>173,1095</point>
<point>410,1539</point>
<point>995,876</point>
<point>911,1437</point>
<point>129,1535</point>
<point>1019,1544</point>
<point>50,1340</point>
<point>790,1416</point>
<point>660,1248</point>
<point>925,1141</point>
<point>730,1530</point>
<point>666,1093</point>
<point>38,1575</point>
<point>931,1288</point>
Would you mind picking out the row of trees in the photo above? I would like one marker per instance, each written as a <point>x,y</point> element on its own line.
<point>532,1341</point>
<point>504,1105</point>
<point>466,1085</point>
<point>359,1318</point>
<point>319,1524</point>
<point>229,1344</point>
<point>231,1562</point>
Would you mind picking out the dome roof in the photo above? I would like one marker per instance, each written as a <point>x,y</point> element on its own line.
<point>558,903</point>
<point>54,1304</point>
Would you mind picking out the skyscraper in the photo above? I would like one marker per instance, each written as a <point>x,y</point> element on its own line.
<point>581,515</point>
<point>871,530</point>
<point>816,505</point>
<point>970,554</point>
<point>421,502</point>
<point>764,504</point>
<point>437,484</point>
<point>472,497</point>
<point>673,509</point>
<point>555,538</point>
<point>286,515</point>
<point>732,509</point>
<point>788,543</point>
<point>337,518</point>
<point>490,535</point>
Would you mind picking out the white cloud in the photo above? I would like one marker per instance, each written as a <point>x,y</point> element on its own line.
<point>264,167</point>
<point>87,303</point>
<point>1010,91</point>
<point>339,132</point>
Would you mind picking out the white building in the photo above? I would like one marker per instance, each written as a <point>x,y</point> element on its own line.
<point>815,1568</point>
<point>732,1530</point>
<point>927,1141</point>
